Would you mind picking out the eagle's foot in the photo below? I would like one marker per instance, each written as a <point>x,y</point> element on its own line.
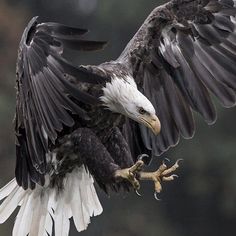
<point>130,174</point>
<point>163,174</point>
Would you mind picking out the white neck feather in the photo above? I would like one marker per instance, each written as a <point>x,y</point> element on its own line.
<point>117,92</point>
<point>121,95</point>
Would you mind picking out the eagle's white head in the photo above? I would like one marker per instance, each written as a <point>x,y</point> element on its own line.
<point>122,96</point>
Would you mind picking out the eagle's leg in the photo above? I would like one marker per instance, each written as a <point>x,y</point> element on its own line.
<point>99,161</point>
<point>163,174</point>
<point>93,154</point>
<point>119,149</point>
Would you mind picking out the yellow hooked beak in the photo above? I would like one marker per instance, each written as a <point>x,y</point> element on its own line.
<point>153,123</point>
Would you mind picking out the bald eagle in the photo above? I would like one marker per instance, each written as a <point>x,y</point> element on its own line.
<point>76,124</point>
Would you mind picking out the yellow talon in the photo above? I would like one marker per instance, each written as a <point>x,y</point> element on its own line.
<point>160,175</point>
<point>130,174</point>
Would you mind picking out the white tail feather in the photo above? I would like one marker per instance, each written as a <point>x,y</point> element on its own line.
<point>48,225</point>
<point>6,190</point>
<point>40,211</point>
<point>77,209</point>
<point>10,203</point>
<point>44,213</point>
<point>62,224</point>
<point>43,205</point>
<point>25,214</point>
<point>95,202</point>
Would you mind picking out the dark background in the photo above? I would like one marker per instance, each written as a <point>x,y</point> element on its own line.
<point>201,202</point>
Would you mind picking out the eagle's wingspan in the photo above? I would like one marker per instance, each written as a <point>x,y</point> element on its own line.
<point>184,49</point>
<point>43,105</point>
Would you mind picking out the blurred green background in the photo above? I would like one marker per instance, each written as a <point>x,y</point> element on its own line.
<point>201,202</point>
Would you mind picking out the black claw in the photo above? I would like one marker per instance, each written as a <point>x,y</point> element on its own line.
<point>175,176</point>
<point>136,191</point>
<point>145,158</point>
<point>156,196</point>
<point>166,159</point>
<point>179,160</point>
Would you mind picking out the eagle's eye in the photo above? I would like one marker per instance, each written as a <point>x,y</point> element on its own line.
<point>141,111</point>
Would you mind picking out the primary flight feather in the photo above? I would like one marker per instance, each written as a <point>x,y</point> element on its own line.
<point>74,124</point>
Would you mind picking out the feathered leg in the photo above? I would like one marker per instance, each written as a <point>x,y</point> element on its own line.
<point>99,161</point>
<point>118,148</point>
<point>120,151</point>
<point>94,155</point>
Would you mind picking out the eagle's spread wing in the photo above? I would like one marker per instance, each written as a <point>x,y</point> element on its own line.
<point>184,50</point>
<point>45,98</point>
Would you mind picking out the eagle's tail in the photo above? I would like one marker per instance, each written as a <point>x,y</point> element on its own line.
<point>40,207</point>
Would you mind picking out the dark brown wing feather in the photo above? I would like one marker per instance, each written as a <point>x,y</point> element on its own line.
<point>183,51</point>
<point>43,105</point>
